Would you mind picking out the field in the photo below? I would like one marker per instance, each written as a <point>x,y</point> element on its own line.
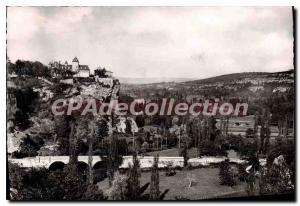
<point>192,152</point>
<point>173,152</point>
<point>206,185</point>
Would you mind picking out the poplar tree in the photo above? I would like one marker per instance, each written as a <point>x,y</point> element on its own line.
<point>133,182</point>
<point>91,137</point>
<point>154,184</point>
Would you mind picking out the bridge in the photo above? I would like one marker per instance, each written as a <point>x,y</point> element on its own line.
<point>51,162</point>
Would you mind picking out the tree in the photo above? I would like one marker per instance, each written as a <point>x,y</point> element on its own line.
<point>212,129</point>
<point>128,126</point>
<point>250,179</point>
<point>194,131</point>
<point>282,147</point>
<point>15,181</point>
<point>40,70</point>
<point>225,174</point>
<point>34,184</point>
<point>20,68</point>
<point>128,187</point>
<point>93,193</point>
<point>100,72</point>
<point>73,182</point>
<point>247,148</point>
<point>91,136</point>
<point>11,68</point>
<point>140,120</point>
<point>276,178</point>
<point>61,129</point>
<point>265,132</point>
<point>242,172</point>
<point>27,102</point>
<point>36,69</point>
<point>72,142</point>
<point>114,160</point>
<point>101,129</point>
<point>154,184</point>
<point>29,148</point>
<point>117,191</point>
<point>184,153</point>
<point>40,184</point>
<point>210,140</point>
<point>133,182</point>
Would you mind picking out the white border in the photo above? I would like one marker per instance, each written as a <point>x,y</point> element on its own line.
<point>5,3</point>
<point>151,3</point>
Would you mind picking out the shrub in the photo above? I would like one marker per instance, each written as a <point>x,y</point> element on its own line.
<point>29,147</point>
<point>276,179</point>
<point>242,172</point>
<point>170,171</point>
<point>212,150</point>
<point>226,176</point>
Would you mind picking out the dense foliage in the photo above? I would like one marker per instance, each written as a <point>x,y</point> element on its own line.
<point>35,69</point>
<point>42,184</point>
<point>226,175</point>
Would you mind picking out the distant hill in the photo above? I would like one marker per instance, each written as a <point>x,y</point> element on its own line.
<point>126,80</point>
<point>254,86</point>
<point>239,76</point>
<point>227,78</point>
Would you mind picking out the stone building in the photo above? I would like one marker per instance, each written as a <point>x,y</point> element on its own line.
<point>66,70</point>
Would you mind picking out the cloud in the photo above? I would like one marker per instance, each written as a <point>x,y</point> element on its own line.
<point>192,42</point>
<point>68,19</point>
<point>23,21</point>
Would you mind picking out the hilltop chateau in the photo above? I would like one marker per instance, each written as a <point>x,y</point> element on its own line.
<point>75,69</point>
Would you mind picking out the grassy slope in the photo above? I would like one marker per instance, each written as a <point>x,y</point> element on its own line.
<point>206,185</point>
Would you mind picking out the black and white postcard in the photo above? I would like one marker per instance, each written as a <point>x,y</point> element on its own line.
<point>150,103</point>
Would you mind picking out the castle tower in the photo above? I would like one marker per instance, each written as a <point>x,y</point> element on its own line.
<point>75,64</point>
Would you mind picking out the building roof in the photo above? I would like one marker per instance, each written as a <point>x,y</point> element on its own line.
<point>75,59</point>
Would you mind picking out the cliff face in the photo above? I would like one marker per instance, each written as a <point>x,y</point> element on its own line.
<point>101,89</point>
<point>42,121</point>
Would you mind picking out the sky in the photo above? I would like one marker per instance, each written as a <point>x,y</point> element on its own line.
<point>155,42</point>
